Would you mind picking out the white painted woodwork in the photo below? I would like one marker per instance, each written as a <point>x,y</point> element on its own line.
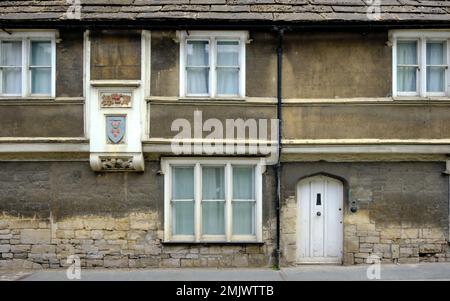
<point>320,238</point>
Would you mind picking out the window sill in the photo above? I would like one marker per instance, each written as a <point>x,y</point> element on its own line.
<point>420,98</point>
<point>40,100</point>
<point>207,98</point>
<point>212,242</point>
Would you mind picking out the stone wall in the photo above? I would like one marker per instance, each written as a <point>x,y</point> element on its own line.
<point>402,214</point>
<point>52,210</point>
<point>134,241</point>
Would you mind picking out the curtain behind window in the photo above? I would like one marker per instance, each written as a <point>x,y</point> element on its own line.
<point>435,70</point>
<point>197,67</point>
<point>243,201</point>
<point>11,61</point>
<point>227,67</point>
<point>41,56</point>
<point>406,71</point>
<point>213,200</point>
<point>183,200</point>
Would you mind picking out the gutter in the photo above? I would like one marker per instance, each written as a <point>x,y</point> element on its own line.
<point>183,24</point>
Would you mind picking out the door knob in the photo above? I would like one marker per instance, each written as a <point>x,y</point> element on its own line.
<point>318,213</point>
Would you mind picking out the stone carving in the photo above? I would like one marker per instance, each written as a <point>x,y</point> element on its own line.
<point>115,129</point>
<point>116,162</point>
<point>112,163</point>
<point>115,100</point>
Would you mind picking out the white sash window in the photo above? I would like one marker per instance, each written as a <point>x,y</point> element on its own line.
<point>27,64</point>
<point>212,64</point>
<point>420,63</point>
<point>212,200</point>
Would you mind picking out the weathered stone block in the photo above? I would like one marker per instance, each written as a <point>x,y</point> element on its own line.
<point>391,233</point>
<point>362,255</point>
<point>409,233</point>
<point>136,234</point>
<point>352,245</point>
<point>7,255</point>
<point>435,233</point>
<point>257,260</point>
<point>41,249</point>
<point>6,236</point>
<point>82,234</point>
<point>35,236</point>
<point>3,224</point>
<point>250,249</point>
<point>71,224</point>
<point>409,260</point>
<point>112,235</point>
<point>20,248</point>
<point>96,234</point>
<point>240,260</point>
<point>65,234</point>
<point>349,259</point>
<point>92,263</point>
<point>430,248</point>
<point>5,248</point>
<point>170,263</point>
<point>115,262</point>
<point>366,227</point>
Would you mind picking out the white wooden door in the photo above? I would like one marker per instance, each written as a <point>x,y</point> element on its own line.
<point>320,220</point>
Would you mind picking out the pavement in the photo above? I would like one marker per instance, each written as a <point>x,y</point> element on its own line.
<point>414,272</point>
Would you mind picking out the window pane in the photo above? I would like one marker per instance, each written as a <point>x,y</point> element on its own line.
<point>183,218</point>
<point>435,53</point>
<point>41,54</point>
<point>213,218</point>
<point>197,80</point>
<point>228,81</point>
<point>407,53</point>
<point>11,53</point>
<point>243,183</point>
<point>435,79</point>
<point>243,218</point>
<point>406,79</point>
<point>213,183</point>
<point>183,183</point>
<point>228,53</point>
<point>12,81</point>
<point>197,53</point>
<point>41,79</point>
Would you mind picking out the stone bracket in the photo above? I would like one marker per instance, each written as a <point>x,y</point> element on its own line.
<point>117,162</point>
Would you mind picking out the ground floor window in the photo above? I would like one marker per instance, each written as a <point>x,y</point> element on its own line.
<point>212,200</point>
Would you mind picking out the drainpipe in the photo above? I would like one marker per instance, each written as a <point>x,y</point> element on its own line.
<point>447,172</point>
<point>280,32</point>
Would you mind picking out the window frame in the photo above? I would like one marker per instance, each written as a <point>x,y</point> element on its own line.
<point>213,37</point>
<point>26,38</point>
<point>422,37</point>
<point>198,163</point>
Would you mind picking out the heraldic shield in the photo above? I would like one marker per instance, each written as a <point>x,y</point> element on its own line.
<point>115,129</point>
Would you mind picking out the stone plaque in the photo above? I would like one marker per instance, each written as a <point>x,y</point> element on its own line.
<point>115,100</point>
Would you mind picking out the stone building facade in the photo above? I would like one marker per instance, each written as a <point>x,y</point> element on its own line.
<point>88,168</point>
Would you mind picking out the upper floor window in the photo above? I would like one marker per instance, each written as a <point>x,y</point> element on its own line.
<point>27,64</point>
<point>212,64</point>
<point>420,63</point>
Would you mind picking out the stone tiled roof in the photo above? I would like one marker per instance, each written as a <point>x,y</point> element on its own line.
<point>227,10</point>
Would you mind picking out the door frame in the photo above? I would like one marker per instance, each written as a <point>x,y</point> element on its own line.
<point>343,182</point>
